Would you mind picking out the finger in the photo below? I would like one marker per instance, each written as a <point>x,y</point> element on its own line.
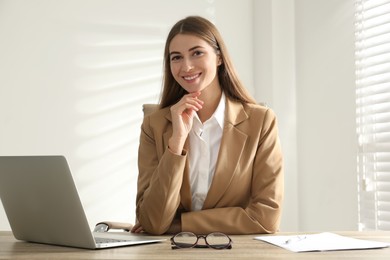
<point>136,227</point>
<point>139,230</point>
<point>187,102</point>
<point>195,94</point>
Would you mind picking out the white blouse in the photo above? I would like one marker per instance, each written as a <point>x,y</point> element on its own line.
<point>205,140</point>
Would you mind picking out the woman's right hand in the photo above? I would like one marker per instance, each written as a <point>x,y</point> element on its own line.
<point>137,228</point>
<point>183,113</point>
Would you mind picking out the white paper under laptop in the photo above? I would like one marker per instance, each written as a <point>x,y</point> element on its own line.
<point>43,206</point>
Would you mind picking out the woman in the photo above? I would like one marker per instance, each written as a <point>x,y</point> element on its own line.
<point>209,158</point>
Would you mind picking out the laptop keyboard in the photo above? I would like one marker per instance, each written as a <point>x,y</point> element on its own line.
<point>101,240</point>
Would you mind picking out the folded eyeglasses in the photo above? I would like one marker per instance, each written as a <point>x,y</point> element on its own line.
<point>215,240</point>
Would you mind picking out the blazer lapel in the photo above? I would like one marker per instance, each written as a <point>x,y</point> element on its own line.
<point>232,145</point>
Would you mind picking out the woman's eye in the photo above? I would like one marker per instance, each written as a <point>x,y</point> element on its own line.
<point>197,53</point>
<point>175,58</point>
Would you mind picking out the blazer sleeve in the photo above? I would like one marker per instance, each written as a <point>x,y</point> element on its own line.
<point>263,212</point>
<point>159,181</point>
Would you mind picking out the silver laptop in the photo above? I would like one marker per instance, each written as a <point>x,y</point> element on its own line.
<point>42,205</point>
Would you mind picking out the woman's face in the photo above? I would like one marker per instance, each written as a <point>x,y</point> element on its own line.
<point>193,63</point>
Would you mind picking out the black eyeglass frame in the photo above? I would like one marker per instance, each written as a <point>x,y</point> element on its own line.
<point>176,245</point>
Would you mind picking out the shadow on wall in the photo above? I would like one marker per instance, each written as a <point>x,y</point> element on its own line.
<point>121,69</point>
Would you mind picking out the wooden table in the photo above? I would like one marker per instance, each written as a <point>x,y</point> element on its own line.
<point>244,247</point>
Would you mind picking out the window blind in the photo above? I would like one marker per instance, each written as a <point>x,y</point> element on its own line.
<point>372,53</point>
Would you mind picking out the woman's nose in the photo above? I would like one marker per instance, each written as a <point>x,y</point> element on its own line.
<point>187,65</point>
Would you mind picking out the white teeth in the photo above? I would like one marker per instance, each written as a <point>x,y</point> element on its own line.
<point>192,77</point>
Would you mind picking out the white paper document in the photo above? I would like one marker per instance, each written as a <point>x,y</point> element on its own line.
<point>320,242</point>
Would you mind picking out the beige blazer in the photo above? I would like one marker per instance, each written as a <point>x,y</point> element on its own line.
<point>246,193</point>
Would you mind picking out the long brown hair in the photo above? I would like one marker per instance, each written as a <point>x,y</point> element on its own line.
<point>229,81</point>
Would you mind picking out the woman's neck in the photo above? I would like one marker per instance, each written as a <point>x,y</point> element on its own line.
<point>211,98</point>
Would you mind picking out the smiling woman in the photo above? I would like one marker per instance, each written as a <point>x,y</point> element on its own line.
<point>209,159</point>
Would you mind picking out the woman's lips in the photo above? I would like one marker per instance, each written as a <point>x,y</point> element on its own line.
<point>192,77</point>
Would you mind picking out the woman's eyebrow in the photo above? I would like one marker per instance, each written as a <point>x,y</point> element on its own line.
<point>174,53</point>
<point>195,47</point>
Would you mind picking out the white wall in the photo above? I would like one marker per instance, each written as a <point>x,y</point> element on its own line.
<point>304,69</point>
<point>75,73</point>
<point>234,20</point>
<point>327,146</point>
